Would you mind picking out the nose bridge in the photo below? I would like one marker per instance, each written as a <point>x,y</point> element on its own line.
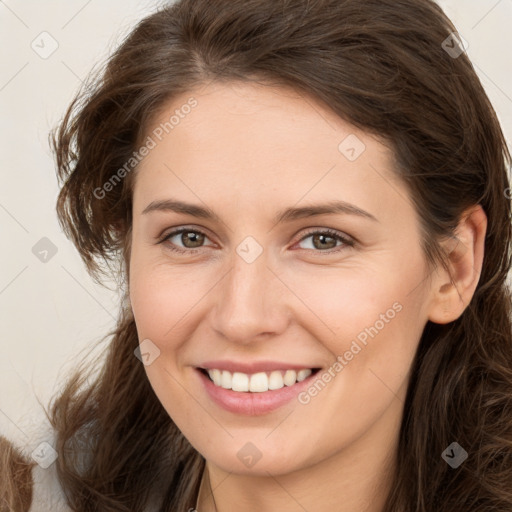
<point>248,305</point>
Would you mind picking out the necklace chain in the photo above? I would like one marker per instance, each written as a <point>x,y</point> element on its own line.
<point>211,490</point>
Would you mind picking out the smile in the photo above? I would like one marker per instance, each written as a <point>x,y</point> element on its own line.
<point>254,392</point>
<point>257,382</point>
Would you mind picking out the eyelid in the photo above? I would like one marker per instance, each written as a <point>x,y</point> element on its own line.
<point>180,229</point>
<point>323,230</point>
<point>347,240</point>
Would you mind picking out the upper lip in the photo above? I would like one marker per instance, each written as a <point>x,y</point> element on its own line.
<point>253,367</point>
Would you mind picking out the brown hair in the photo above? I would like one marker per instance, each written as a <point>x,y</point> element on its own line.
<point>15,481</point>
<point>380,65</point>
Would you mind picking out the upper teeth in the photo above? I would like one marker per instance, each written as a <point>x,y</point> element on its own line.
<point>257,382</point>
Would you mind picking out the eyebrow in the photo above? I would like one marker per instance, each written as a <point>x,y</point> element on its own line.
<point>287,215</point>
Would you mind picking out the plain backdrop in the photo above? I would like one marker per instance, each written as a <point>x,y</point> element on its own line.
<point>50,311</point>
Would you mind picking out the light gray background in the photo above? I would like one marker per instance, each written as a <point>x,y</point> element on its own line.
<point>50,311</point>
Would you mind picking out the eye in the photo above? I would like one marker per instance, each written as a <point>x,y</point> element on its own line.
<point>190,238</point>
<point>325,240</point>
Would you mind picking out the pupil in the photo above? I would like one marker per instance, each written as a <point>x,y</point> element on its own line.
<point>323,238</point>
<point>193,237</point>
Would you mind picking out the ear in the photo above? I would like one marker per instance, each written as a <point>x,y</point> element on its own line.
<point>453,291</point>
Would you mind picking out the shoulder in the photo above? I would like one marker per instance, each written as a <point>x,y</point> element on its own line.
<point>47,493</point>
<point>36,446</point>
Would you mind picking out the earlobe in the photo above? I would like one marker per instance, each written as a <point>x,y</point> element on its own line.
<point>452,292</point>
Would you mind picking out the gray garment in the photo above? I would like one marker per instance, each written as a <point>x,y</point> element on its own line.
<point>47,493</point>
<point>37,445</point>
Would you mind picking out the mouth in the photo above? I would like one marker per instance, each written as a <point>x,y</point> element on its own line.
<point>254,394</point>
<point>259,382</point>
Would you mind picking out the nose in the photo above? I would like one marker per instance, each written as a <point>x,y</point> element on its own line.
<point>250,303</point>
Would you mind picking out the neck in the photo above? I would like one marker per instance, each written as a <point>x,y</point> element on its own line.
<point>355,479</point>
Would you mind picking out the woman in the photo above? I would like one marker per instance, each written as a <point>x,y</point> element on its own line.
<point>308,205</point>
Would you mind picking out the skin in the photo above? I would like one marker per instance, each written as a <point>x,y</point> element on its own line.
<point>248,151</point>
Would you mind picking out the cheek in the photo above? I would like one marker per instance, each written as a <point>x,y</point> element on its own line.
<point>160,298</point>
<point>149,305</point>
<point>342,302</point>
<point>372,355</point>
<point>160,301</point>
<point>168,304</point>
<point>369,317</point>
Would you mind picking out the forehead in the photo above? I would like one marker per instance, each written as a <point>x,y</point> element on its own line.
<point>244,140</point>
<point>256,116</point>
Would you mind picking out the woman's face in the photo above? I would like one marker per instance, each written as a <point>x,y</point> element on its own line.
<point>267,184</point>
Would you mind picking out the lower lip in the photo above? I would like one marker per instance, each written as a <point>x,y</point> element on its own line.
<point>253,404</point>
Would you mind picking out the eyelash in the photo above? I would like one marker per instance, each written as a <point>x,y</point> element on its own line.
<point>348,243</point>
